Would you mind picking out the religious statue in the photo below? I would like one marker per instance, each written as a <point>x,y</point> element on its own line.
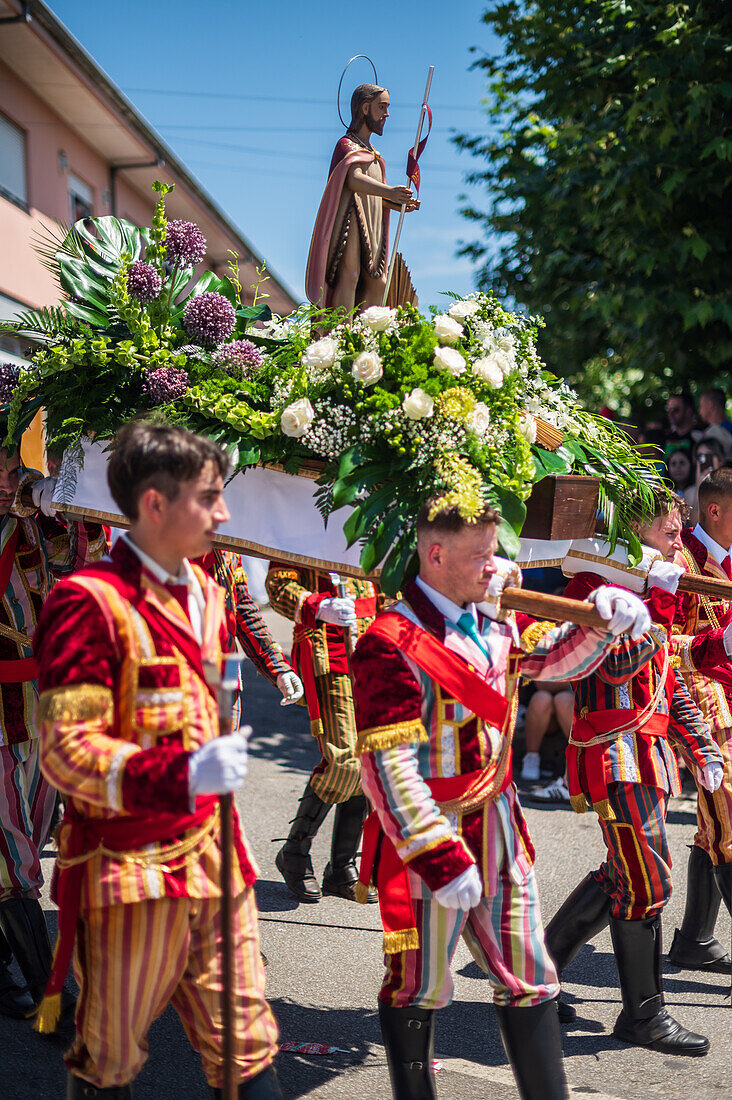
<point>348,260</point>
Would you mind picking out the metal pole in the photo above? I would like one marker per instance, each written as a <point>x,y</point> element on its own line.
<point>398,233</point>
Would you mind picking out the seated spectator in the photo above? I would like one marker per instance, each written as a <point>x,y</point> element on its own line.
<point>549,707</point>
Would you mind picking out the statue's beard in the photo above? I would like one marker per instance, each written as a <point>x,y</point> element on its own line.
<point>375,125</point>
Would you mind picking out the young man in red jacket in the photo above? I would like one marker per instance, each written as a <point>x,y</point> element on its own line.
<point>130,734</point>
<point>628,717</point>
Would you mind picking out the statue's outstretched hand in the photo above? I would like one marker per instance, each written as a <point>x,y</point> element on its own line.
<point>402,196</point>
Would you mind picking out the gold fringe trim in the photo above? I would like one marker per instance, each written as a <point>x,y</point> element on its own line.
<point>531,637</point>
<point>361,893</point>
<point>396,942</point>
<point>81,703</point>
<point>48,1015</point>
<point>579,803</point>
<point>378,738</point>
<point>604,810</point>
<point>547,436</point>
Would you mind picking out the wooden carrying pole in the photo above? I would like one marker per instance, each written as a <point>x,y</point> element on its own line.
<point>226,682</point>
<point>554,608</point>
<point>402,210</point>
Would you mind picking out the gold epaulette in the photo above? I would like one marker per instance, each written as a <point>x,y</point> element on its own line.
<point>78,703</point>
<point>378,738</point>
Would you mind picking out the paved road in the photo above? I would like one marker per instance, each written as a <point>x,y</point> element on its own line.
<point>325,968</point>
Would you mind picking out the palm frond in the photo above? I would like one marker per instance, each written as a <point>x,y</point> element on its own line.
<point>49,241</point>
<point>48,321</point>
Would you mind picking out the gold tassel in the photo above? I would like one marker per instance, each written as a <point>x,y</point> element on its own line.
<point>396,942</point>
<point>533,634</point>
<point>48,1015</point>
<point>361,893</point>
<point>579,803</point>
<point>316,727</point>
<point>604,810</point>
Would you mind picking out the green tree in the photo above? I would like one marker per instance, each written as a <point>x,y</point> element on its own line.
<point>608,169</point>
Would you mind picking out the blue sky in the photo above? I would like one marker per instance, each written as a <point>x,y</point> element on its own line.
<point>245,94</point>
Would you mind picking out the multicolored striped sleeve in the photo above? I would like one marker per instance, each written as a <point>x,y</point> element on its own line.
<point>564,652</point>
<point>688,731</point>
<point>625,658</point>
<point>410,817</point>
<point>253,635</point>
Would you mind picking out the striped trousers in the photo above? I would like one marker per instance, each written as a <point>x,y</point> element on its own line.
<point>132,960</point>
<point>714,809</point>
<point>337,775</point>
<point>637,872</point>
<point>504,934</point>
<point>26,809</point>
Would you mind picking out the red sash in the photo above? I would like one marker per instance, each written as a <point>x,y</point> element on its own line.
<point>79,837</point>
<point>450,671</point>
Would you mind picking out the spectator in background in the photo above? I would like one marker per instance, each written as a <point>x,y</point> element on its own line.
<point>681,421</point>
<point>550,706</point>
<point>709,456</point>
<point>680,470</point>
<point>713,413</point>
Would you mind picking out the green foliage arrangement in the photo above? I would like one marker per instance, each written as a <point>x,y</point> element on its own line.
<point>607,163</point>
<point>396,408</point>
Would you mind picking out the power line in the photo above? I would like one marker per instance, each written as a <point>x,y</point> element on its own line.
<point>188,93</point>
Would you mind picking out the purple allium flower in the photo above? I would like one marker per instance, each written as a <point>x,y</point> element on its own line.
<point>164,384</point>
<point>185,243</point>
<point>240,357</point>
<point>209,318</point>
<point>9,375</point>
<point>143,282</point>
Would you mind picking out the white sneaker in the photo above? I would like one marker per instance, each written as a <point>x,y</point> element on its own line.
<point>555,792</point>
<point>531,767</point>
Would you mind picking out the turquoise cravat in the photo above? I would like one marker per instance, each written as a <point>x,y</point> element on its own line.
<point>467,624</point>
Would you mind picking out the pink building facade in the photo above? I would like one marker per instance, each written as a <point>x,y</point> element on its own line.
<point>72,145</point>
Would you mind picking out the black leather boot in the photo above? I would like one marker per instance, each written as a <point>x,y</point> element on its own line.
<point>644,1020</point>
<point>79,1089</point>
<point>264,1086</point>
<point>24,927</point>
<point>409,1040</point>
<point>15,1001</point>
<point>584,913</point>
<point>293,859</point>
<point>723,881</point>
<point>694,946</point>
<point>341,874</point>
<point>533,1044</point>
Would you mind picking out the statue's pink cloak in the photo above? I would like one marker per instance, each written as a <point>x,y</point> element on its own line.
<point>345,156</point>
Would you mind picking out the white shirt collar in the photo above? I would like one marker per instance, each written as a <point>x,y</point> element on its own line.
<point>161,574</point>
<point>452,611</point>
<point>718,552</point>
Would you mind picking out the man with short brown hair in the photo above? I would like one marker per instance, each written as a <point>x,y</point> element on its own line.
<point>435,681</point>
<point>130,734</point>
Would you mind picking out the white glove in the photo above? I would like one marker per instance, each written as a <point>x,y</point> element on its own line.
<point>507,576</point>
<point>711,776</point>
<point>291,687</point>
<point>626,613</point>
<point>664,575</point>
<point>463,892</point>
<point>338,610</point>
<point>220,766</point>
<point>42,495</point>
